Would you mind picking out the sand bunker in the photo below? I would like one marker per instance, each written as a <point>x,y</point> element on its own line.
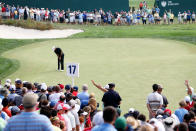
<point>11,32</point>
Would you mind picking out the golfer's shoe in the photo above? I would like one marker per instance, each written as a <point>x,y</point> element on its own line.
<point>62,70</point>
<point>57,70</point>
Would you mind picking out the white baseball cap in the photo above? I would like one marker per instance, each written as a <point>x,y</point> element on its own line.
<point>43,86</point>
<point>12,87</point>
<point>53,48</point>
<point>106,87</point>
<point>8,81</point>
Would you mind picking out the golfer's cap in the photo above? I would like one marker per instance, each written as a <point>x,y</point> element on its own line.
<point>8,81</point>
<point>53,48</point>
<point>43,86</point>
<point>106,87</point>
<point>84,113</point>
<point>12,87</point>
<point>7,84</point>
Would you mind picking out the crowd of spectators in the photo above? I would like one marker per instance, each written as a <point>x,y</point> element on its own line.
<point>25,106</point>
<point>142,15</point>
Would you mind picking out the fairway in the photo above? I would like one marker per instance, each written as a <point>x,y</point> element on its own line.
<point>134,64</point>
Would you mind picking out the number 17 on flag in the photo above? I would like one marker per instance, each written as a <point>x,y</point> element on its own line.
<point>72,71</point>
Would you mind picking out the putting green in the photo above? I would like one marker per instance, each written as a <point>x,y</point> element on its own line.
<point>133,64</point>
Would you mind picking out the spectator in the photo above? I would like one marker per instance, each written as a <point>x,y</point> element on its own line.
<point>74,112</point>
<point>15,110</point>
<point>12,94</point>
<point>181,111</point>
<point>111,98</point>
<point>187,119</point>
<point>84,96</point>
<point>67,89</point>
<point>5,104</point>
<point>18,99</point>
<point>75,91</point>
<point>29,117</point>
<point>3,115</point>
<point>120,124</point>
<point>165,101</point>
<point>18,84</point>
<point>154,101</point>
<point>56,95</point>
<point>109,116</point>
<point>42,94</point>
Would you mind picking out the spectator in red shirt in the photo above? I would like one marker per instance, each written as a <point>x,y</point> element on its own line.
<point>5,104</point>
<point>141,5</point>
<point>75,91</point>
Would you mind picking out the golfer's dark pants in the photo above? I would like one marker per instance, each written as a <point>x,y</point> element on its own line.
<point>61,62</point>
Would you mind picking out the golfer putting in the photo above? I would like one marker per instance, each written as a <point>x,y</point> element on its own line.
<point>60,55</point>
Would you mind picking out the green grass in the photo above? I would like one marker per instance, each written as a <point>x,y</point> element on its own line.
<point>133,64</point>
<point>135,3</point>
<point>129,63</point>
<point>185,33</point>
<point>8,66</point>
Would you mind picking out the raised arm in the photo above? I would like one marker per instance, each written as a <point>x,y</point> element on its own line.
<point>188,87</point>
<point>99,86</point>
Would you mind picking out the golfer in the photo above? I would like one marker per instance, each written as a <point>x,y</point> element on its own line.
<point>58,51</point>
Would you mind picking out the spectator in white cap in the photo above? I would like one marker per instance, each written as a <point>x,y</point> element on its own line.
<point>8,81</point>
<point>75,113</point>
<point>84,96</point>
<point>12,94</point>
<point>42,94</point>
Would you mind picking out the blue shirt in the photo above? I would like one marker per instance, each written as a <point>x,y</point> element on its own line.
<point>180,113</point>
<point>104,127</point>
<point>84,98</point>
<point>29,121</point>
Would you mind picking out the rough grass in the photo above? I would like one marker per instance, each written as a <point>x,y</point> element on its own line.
<point>28,24</point>
<point>8,66</point>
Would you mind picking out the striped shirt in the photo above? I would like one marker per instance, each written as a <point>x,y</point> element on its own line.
<point>29,121</point>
